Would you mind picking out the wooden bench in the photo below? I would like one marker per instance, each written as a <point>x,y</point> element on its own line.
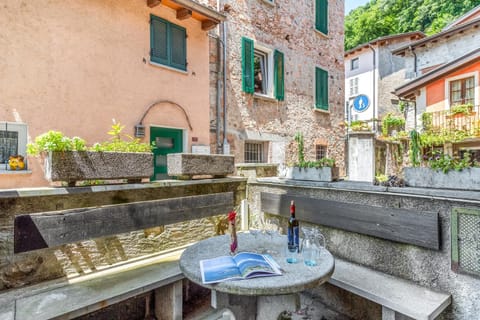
<point>70,298</point>
<point>394,294</point>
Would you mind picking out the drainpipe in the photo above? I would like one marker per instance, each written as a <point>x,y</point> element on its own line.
<point>226,146</point>
<point>414,60</point>
<point>374,125</point>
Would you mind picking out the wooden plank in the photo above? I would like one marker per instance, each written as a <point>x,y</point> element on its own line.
<point>400,225</point>
<point>153,3</point>
<point>184,13</point>
<point>208,24</point>
<point>50,229</point>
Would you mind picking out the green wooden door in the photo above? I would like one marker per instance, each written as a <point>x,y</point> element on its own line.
<point>165,141</point>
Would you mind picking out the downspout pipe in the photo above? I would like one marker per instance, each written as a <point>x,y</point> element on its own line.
<point>414,60</point>
<point>374,100</point>
<point>226,147</point>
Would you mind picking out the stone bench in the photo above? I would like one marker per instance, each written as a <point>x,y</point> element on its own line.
<point>395,295</point>
<point>73,298</point>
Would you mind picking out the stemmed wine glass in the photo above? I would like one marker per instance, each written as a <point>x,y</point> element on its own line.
<point>257,230</point>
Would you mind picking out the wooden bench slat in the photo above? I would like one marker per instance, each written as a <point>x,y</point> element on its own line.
<point>397,294</point>
<point>401,225</point>
<point>50,229</point>
<point>82,297</point>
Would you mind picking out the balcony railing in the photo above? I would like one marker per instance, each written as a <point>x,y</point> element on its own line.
<point>448,122</point>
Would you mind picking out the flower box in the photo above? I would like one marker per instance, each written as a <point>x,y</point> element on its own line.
<point>311,174</point>
<point>71,166</point>
<point>467,179</point>
<point>185,166</point>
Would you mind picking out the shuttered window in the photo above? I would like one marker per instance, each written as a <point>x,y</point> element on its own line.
<point>321,16</point>
<point>262,70</point>
<point>321,89</point>
<point>278,75</point>
<point>168,43</point>
<point>247,65</point>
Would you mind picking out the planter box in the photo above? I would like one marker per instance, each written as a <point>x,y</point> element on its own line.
<point>311,174</point>
<point>74,166</point>
<point>467,179</point>
<point>257,170</point>
<point>187,165</point>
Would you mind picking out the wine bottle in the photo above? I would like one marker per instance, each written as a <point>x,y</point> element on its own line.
<point>293,229</point>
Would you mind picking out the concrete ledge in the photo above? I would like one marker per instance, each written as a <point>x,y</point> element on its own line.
<point>392,293</point>
<point>86,294</point>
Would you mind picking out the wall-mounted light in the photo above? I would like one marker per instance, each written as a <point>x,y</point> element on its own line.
<point>139,130</point>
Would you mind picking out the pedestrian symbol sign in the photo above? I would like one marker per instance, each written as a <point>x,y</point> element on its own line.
<point>361,103</point>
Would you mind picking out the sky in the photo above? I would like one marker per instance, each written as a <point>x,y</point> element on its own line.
<point>352,4</point>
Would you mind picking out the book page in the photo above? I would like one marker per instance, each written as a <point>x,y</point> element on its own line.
<point>253,265</point>
<point>219,269</point>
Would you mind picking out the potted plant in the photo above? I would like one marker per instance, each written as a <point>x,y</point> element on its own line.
<point>69,159</point>
<point>319,170</point>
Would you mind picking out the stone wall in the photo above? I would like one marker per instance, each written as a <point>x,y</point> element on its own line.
<point>425,267</point>
<point>287,26</point>
<point>17,270</point>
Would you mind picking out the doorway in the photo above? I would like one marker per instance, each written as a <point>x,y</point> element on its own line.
<point>165,141</point>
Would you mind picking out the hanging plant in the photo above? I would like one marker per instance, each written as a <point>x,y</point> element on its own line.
<point>415,148</point>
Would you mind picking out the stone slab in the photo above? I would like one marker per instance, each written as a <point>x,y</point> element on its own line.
<point>189,164</point>
<point>394,293</point>
<point>90,294</point>
<point>429,178</point>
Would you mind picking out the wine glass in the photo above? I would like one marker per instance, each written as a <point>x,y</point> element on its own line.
<point>256,230</point>
<point>271,229</point>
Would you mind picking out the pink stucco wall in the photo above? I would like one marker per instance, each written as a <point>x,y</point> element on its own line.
<point>74,66</point>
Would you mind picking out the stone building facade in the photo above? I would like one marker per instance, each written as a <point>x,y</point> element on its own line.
<point>261,122</point>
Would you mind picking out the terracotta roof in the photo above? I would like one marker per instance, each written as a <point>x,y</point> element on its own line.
<point>408,90</point>
<point>470,15</point>
<point>414,34</point>
<point>475,23</point>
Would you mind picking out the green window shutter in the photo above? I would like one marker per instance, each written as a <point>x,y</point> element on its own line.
<point>158,40</point>
<point>321,16</point>
<point>321,89</point>
<point>178,47</point>
<point>278,75</point>
<point>247,65</point>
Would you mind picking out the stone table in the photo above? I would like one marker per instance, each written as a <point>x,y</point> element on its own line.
<point>257,298</point>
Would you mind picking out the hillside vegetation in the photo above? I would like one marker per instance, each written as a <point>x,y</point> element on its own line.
<point>386,17</point>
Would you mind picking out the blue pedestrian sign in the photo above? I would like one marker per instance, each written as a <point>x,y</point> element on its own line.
<point>361,103</point>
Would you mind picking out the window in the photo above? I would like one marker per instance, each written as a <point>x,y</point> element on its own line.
<point>262,70</point>
<point>321,16</point>
<point>254,152</point>
<point>321,89</point>
<point>354,86</point>
<point>13,141</point>
<point>462,91</point>
<point>354,64</point>
<point>320,151</point>
<point>168,43</point>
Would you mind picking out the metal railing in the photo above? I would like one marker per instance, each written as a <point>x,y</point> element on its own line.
<point>446,121</point>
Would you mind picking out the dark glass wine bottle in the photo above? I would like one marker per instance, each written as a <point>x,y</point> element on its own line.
<point>293,229</point>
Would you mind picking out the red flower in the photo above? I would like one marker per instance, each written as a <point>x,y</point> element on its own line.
<point>231,216</point>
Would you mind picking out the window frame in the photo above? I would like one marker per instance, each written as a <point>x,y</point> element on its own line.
<point>261,152</point>
<point>267,54</point>
<point>476,91</point>
<point>170,29</point>
<point>353,82</point>
<point>323,150</point>
<point>354,63</point>
<point>22,139</point>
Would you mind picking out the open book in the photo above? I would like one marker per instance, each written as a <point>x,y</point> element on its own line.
<point>244,265</point>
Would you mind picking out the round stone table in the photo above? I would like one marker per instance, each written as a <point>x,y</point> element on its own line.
<point>268,296</point>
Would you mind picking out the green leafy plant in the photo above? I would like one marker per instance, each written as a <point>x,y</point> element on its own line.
<point>427,121</point>
<point>465,109</point>
<point>415,148</point>
<point>445,163</point>
<point>323,162</point>
<point>300,146</point>
<point>381,178</point>
<point>359,125</point>
<point>57,141</point>
<point>121,142</point>
<point>392,122</point>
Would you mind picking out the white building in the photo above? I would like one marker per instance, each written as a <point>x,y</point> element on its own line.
<point>371,75</point>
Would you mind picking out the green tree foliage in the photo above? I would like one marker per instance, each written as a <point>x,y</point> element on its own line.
<point>380,18</point>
